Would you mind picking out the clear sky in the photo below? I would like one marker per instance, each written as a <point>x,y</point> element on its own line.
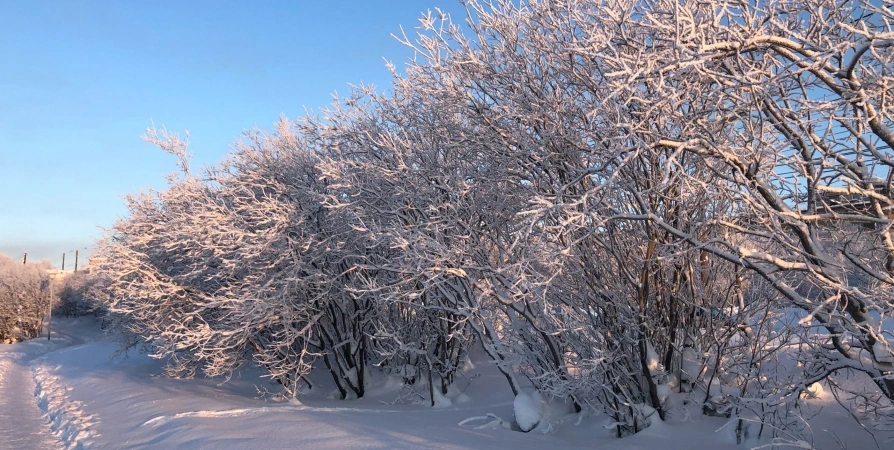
<point>81,80</point>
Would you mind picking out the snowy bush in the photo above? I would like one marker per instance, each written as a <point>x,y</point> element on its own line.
<point>621,202</point>
<point>76,295</point>
<point>24,299</point>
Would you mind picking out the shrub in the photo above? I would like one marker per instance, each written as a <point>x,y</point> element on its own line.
<point>75,297</point>
<point>24,299</point>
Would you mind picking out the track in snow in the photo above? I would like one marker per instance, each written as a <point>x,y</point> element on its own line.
<point>68,420</point>
<point>22,425</point>
<point>292,408</point>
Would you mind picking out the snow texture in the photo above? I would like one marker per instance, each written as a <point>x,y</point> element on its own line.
<point>528,409</point>
<point>72,393</point>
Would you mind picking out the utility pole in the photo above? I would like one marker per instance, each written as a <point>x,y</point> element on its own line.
<point>63,260</point>
<point>76,260</point>
<point>25,259</point>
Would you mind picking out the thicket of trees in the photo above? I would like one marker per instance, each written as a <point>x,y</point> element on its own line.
<point>24,299</point>
<point>615,199</point>
<point>74,295</point>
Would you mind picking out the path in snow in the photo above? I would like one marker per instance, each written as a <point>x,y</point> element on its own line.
<point>238,412</point>
<point>22,425</point>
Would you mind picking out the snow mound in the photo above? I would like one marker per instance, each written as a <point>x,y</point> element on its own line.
<point>441,400</point>
<point>528,408</point>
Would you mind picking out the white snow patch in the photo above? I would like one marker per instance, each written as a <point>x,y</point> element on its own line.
<point>441,401</point>
<point>663,392</point>
<point>882,352</point>
<point>462,398</point>
<point>815,390</point>
<point>692,365</point>
<point>528,408</point>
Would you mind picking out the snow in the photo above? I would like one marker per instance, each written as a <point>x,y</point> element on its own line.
<point>20,427</point>
<point>663,391</point>
<point>528,409</point>
<point>692,365</point>
<point>31,412</point>
<point>882,352</point>
<point>71,393</point>
<point>68,419</point>
<point>815,390</point>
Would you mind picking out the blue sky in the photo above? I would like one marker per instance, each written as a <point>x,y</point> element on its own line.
<point>81,80</point>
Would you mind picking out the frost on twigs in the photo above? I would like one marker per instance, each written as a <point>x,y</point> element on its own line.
<point>170,142</point>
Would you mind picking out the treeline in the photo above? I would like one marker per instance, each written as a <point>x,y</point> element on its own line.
<point>618,201</point>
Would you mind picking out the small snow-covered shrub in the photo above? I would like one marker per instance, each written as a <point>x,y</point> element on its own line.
<point>24,299</point>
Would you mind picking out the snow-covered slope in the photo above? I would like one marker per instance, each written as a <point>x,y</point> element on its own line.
<point>72,393</point>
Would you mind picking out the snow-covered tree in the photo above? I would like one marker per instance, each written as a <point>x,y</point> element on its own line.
<point>618,200</point>
<point>24,299</point>
<point>714,134</point>
<point>75,295</point>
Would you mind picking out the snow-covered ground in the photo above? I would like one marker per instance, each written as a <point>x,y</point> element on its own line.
<point>71,392</point>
